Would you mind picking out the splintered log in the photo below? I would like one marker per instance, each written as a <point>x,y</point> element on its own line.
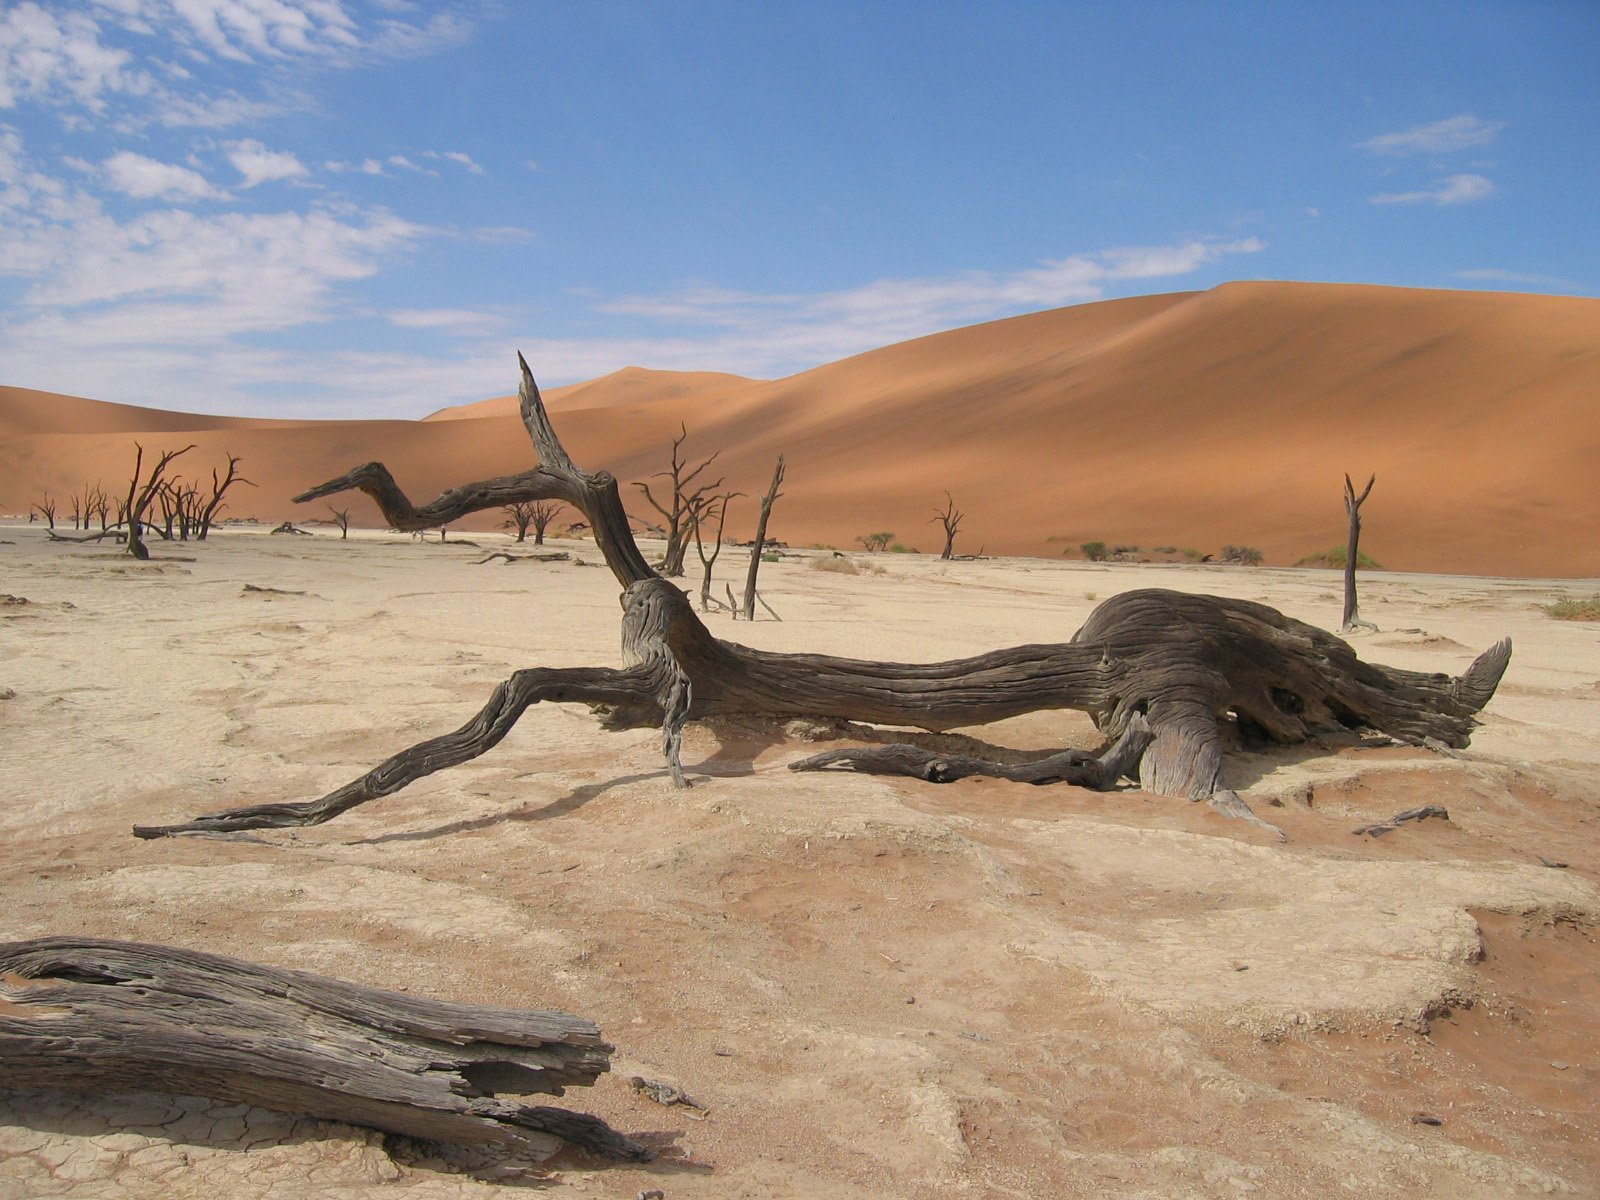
<point>1199,671</point>
<point>106,1017</point>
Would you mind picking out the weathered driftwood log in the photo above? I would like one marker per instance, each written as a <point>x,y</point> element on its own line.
<point>1192,666</point>
<point>106,1017</point>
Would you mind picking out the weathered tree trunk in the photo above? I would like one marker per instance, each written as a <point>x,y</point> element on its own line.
<point>767,502</point>
<point>1352,505</point>
<point>105,1017</point>
<point>1199,670</point>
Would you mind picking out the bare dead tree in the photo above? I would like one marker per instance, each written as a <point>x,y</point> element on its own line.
<point>341,518</point>
<point>77,510</point>
<point>141,491</point>
<point>1352,505</point>
<point>1167,669</point>
<point>168,499</point>
<point>535,513</point>
<point>220,484</point>
<point>99,504</point>
<point>767,502</point>
<point>46,508</point>
<point>519,516</point>
<point>697,519</point>
<point>950,517</point>
<point>682,503</point>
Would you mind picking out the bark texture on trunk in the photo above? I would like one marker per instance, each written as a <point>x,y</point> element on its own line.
<point>103,1017</point>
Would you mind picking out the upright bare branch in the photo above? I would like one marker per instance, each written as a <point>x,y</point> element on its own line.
<point>950,517</point>
<point>767,502</point>
<point>697,521</point>
<point>1352,506</point>
<point>219,489</point>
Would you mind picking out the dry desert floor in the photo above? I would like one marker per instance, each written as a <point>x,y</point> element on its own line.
<point>877,988</point>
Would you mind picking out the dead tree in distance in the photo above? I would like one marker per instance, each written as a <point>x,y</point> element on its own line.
<point>535,513</point>
<point>102,1017</point>
<point>683,502</point>
<point>707,561</point>
<point>46,508</point>
<point>207,512</point>
<point>140,494</point>
<point>767,502</point>
<point>1168,666</point>
<point>950,517</point>
<point>1352,505</point>
<point>341,518</point>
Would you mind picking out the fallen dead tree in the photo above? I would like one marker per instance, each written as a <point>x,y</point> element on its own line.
<point>1190,667</point>
<point>106,1017</point>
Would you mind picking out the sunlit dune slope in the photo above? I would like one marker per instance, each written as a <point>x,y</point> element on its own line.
<point>1192,420</point>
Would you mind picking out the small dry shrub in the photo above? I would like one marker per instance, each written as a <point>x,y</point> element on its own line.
<point>1575,608</point>
<point>840,565</point>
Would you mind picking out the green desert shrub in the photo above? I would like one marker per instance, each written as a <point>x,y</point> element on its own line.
<point>1094,551</point>
<point>875,542</point>
<point>1337,556</point>
<point>1575,608</point>
<point>1246,555</point>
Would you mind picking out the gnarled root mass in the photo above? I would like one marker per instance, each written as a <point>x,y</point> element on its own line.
<point>104,1017</point>
<point>1161,673</point>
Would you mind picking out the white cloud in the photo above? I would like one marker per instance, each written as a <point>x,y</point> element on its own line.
<point>404,163</point>
<point>147,178</point>
<point>889,310</point>
<point>1441,137</point>
<point>257,165</point>
<point>169,277</point>
<point>455,156</point>
<point>1456,189</point>
<point>461,321</point>
<point>48,55</point>
<point>78,54</point>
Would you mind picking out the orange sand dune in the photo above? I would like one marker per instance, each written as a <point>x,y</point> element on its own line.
<point>1191,420</point>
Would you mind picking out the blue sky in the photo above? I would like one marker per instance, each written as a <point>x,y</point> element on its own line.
<point>364,207</point>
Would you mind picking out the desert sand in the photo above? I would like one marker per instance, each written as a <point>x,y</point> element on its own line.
<point>1192,420</point>
<point>877,988</point>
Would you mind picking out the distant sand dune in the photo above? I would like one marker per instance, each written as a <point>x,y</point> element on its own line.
<point>1193,419</point>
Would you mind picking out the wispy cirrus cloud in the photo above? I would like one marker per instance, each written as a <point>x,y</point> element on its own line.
<point>460,321</point>
<point>176,62</point>
<point>1455,189</point>
<point>832,324</point>
<point>1463,132</point>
